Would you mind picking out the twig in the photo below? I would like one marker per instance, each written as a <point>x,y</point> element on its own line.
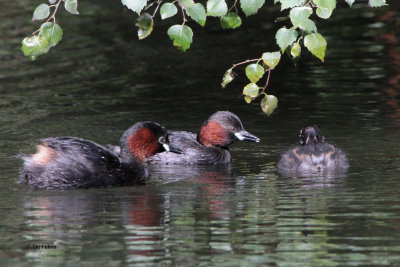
<point>158,5</point>
<point>183,13</point>
<point>244,62</point>
<point>233,6</point>
<point>53,16</point>
<point>266,84</point>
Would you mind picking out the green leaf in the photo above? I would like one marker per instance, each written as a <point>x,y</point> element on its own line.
<point>251,90</point>
<point>228,77</point>
<point>285,37</point>
<point>168,10</point>
<point>325,8</point>
<point>324,13</point>
<point>269,103</point>
<point>331,4</point>
<point>291,3</point>
<point>254,72</point>
<point>271,59</point>
<point>231,21</point>
<point>248,99</point>
<point>377,3</point>
<point>145,24</point>
<point>41,12</point>
<point>296,50</point>
<point>251,7</point>
<point>71,6</point>
<point>182,36</point>
<point>350,2</point>
<point>216,8</point>
<point>186,3</point>
<point>35,46</point>
<point>135,5</point>
<point>52,32</point>
<point>299,18</point>
<point>316,43</point>
<point>197,12</point>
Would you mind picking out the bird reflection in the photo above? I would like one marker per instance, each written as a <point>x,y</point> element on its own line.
<point>210,182</point>
<point>392,44</point>
<point>143,217</point>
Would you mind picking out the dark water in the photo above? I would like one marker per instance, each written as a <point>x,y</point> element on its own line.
<point>100,80</point>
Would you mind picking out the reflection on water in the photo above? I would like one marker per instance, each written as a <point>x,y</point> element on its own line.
<point>100,80</point>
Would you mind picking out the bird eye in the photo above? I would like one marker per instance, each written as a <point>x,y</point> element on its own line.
<point>161,140</point>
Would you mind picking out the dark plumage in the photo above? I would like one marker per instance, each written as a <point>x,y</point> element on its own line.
<point>70,162</point>
<point>210,145</point>
<point>313,154</point>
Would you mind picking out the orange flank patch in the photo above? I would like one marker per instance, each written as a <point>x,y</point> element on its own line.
<point>212,134</point>
<point>43,155</point>
<point>143,143</point>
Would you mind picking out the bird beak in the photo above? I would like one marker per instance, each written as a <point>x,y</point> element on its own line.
<point>173,149</point>
<point>246,136</point>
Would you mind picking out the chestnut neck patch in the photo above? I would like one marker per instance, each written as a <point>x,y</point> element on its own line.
<point>212,134</point>
<point>143,143</point>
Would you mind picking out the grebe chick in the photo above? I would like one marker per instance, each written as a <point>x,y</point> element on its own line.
<point>313,154</point>
<point>70,162</point>
<point>210,145</point>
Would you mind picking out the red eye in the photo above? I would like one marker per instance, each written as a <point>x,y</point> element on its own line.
<point>161,140</point>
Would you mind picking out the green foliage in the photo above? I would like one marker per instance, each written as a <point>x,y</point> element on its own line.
<point>71,6</point>
<point>145,24</point>
<point>231,21</point>
<point>269,103</point>
<point>299,18</point>
<point>228,77</point>
<point>291,3</point>
<point>197,12</point>
<point>168,10</point>
<point>52,32</point>
<point>254,72</point>
<point>251,7</point>
<point>325,8</point>
<point>41,12</point>
<point>216,8</point>
<point>251,90</point>
<point>377,3</point>
<point>316,43</point>
<point>135,5</point>
<point>35,46</point>
<point>248,99</point>
<point>288,38</point>
<point>350,2</point>
<point>285,37</point>
<point>271,59</point>
<point>181,35</point>
<point>296,50</point>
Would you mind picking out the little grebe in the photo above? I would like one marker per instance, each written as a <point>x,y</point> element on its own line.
<point>210,145</point>
<point>70,162</point>
<point>313,154</point>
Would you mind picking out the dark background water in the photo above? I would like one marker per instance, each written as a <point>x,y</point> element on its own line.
<point>100,80</point>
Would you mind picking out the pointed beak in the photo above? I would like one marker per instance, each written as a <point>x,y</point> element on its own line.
<point>246,136</point>
<point>173,149</point>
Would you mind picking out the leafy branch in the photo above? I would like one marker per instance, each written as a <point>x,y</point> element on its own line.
<point>302,33</point>
<point>50,33</point>
<point>289,41</point>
